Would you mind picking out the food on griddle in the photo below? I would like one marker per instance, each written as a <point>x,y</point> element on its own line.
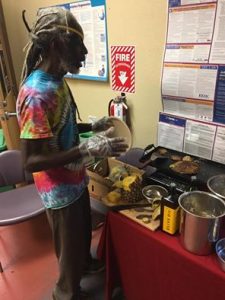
<point>162,151</point>
<point>175,157</point>
<point>185,167</point>
<point>187,158</point>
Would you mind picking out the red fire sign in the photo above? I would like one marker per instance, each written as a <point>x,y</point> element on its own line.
<point>123,68</point>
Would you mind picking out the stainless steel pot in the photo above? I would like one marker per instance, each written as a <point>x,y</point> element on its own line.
<point>216,185</point>
<point>201,215</point>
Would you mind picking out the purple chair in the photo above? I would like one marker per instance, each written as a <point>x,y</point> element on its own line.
<point>22,203</point>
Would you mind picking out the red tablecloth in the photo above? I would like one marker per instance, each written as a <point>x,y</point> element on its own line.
<point>153,265</point>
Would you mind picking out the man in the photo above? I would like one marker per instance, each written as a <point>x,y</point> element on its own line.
<point>50,140</point>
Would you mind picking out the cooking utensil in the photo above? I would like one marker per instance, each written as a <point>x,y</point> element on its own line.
<point>147,153</point>
<point>201,215</point>
<point>220,251</point>
<point>154,192</point>
<point>216,185</point>
<point>129,206</point>
<point>101,167</point>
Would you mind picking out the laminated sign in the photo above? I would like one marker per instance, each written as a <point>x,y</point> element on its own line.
<point>123,68</point>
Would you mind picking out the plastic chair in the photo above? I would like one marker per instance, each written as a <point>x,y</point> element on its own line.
<point>22,203</point>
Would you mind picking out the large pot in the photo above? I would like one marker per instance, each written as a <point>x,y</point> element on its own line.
<point>216,185</point>
<point>201,215</point>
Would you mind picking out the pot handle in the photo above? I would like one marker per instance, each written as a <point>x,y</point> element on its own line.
<point>214,229</point>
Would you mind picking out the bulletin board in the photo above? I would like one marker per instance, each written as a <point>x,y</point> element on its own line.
<point>91,15</point>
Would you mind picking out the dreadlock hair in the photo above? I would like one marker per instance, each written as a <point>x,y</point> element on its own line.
<point>51,23</point>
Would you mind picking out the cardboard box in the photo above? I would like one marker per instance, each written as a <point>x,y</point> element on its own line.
<point>99,186</point>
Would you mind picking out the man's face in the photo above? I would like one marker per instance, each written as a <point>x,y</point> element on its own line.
<point>75,53</point>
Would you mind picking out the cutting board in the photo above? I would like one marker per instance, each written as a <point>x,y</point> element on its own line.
<point>134,215</point>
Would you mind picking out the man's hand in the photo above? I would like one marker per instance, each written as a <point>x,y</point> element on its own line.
<point>102,145</point>
<point>102,124</point>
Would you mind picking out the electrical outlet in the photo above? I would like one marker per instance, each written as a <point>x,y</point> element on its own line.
<point>92,119</point>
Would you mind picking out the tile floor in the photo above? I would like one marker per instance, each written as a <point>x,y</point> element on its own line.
<point>30,266</point>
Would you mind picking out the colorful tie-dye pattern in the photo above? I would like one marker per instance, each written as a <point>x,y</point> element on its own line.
<point>45,109</point>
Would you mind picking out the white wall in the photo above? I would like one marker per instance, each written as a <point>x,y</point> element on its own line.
<point>139,23</point>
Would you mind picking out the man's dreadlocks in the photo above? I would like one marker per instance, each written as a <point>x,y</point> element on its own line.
<point>50,24</point>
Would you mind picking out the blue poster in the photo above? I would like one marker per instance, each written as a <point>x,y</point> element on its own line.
<point>92,17</point>
<point>219,105</point>
<point>172,120</point>
<point>91,14</point>
<point>174,3</point>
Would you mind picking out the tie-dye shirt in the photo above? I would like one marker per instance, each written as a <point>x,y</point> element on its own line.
<point>46,109</point>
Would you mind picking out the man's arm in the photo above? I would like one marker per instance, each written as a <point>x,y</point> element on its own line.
<point>38,157</point>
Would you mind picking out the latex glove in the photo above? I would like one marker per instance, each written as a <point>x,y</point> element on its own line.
<point>102,145</point>
<point>102,124</point>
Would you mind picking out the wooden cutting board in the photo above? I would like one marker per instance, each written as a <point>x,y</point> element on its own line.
<point>134,215</point>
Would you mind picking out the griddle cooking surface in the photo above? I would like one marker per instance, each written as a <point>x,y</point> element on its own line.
<point>207,168</point>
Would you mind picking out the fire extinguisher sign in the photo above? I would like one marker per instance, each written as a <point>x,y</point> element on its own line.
<point>123,68</point>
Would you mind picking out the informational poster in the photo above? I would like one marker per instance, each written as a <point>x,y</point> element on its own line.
<point>189,81</point>
<point>171,132</point>
<point>91,14</point>
<point>200,110</point>
<point>191,23</point>
<point>219,149</point>
<point>219,111</point>
<point>218,46</point>
<point>123,68</point>
<point>193,76</point>
<point>199,139</point>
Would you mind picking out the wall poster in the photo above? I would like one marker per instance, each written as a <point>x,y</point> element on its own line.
<point>193,76</point>
<point>91,14</point>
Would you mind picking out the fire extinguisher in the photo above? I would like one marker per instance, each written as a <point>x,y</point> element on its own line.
<point>118,108</point>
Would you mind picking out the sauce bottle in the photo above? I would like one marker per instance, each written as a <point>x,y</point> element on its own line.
<point>170,211</point>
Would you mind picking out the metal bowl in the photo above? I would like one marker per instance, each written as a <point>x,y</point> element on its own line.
<point>220,251</point>
<point>152,192</point>
<point>216,185</point>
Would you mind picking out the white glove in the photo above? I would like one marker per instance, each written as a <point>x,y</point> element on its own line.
<point>101,145</point>
<point>102,124</point>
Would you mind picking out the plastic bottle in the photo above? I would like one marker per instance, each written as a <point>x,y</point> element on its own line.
<point>170,211</point>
